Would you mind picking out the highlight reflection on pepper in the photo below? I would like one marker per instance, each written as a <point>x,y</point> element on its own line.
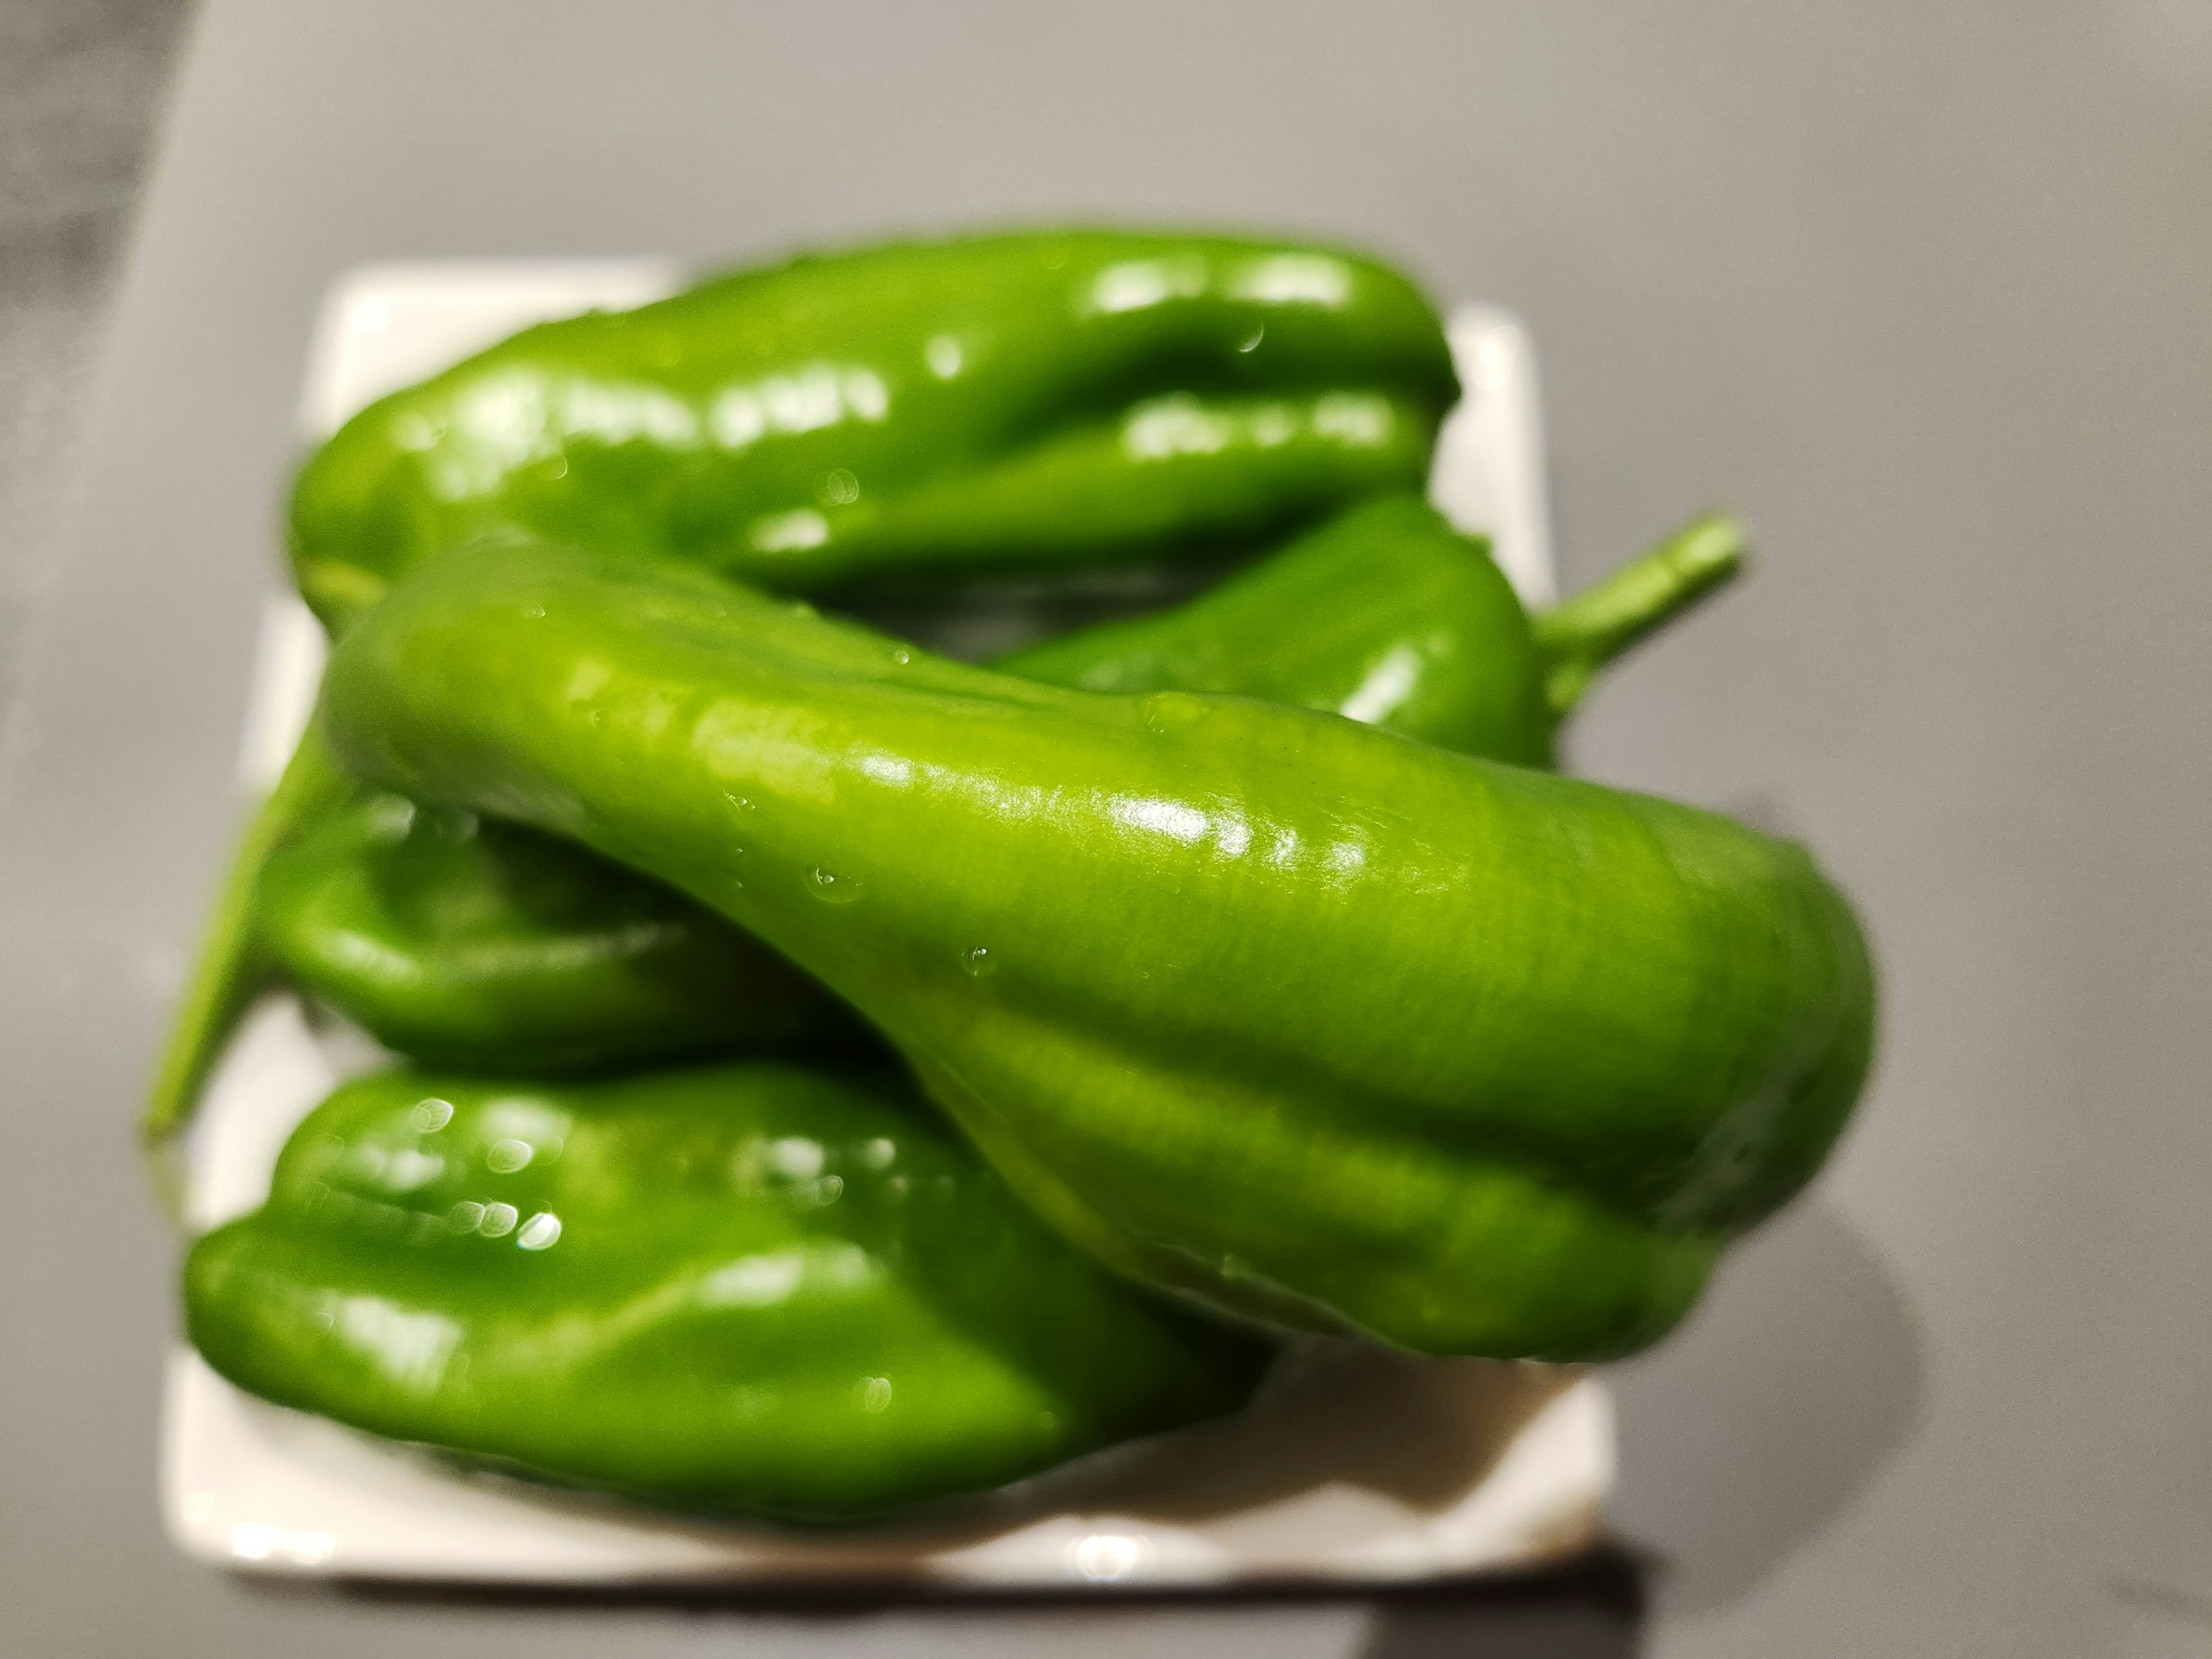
<point>783,1290</point>
<point>1569,1041</point>
<point>484,943</point>
<point>1037,398</point>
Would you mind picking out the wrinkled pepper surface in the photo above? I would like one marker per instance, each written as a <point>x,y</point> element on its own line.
<point>478,943</point>
<point>1035,398</point>
<point>752,1288</point>
<point>1313,1023</point>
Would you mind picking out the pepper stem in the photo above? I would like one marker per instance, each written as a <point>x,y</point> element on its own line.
<point>231,964</point>
<point>1578,638</point>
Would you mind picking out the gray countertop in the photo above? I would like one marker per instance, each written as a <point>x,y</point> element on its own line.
<point>1925,292</point>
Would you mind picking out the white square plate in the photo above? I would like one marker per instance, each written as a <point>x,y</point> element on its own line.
<point>1356,1467</point>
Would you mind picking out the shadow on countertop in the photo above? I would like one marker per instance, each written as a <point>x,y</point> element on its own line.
<point>1590,1609</point>
<point>1763,1421</point>
<point>1594,1610</point>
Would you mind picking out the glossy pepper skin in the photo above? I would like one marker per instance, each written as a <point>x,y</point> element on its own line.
<point>470,942</point>
<point>488,945</point>
<point>1386,614</point>
<point>758,1288</point>
<point>434,940</point>
<point>1037,398</point>
<point>1312,1023</point>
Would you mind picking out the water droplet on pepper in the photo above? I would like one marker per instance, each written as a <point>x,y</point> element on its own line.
<point>832,889</point>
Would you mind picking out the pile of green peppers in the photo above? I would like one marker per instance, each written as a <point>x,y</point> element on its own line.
<point>830,1076</point>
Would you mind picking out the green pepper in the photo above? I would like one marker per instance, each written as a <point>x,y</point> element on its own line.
<point>1390,617</point>
<point>470,942</point>
<point>1044,397</point>
<point>1312,1023</point>
<point>752,1288</point>
<point>490,945</point>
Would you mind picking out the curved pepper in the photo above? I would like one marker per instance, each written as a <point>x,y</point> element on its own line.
<point>491,945</point>
<point>1037,398</point>
<point>1313,1023</point>
<point>756,1288</point>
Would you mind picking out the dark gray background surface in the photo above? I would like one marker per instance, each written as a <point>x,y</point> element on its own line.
<point>1925,291</point>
